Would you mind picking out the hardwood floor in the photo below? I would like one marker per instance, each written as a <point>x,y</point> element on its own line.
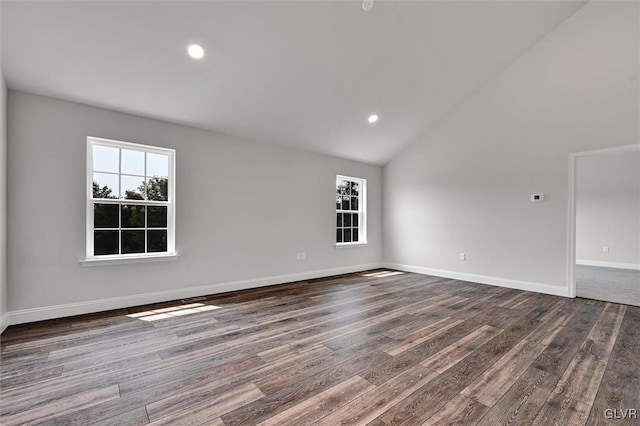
<point>373,348</point>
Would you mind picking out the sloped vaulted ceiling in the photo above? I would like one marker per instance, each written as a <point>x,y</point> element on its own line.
<point>299,73</point>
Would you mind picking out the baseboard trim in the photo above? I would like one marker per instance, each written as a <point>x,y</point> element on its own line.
<point>4,321</point>
<point>92,306</point>
<point>483,279</point>
<point>617,265</point>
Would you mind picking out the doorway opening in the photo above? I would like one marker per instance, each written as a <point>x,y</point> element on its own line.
<point>604,225</point>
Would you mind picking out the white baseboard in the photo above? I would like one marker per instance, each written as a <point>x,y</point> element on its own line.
<point>483,279</point>
<point>4,321</point>
<point>91,306</point>
<point>617,265</point>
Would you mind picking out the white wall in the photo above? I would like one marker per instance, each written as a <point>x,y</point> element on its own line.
<point>608,209</point>
<point>3,193</point>
<point>465,185</point>
<point>244,209</point>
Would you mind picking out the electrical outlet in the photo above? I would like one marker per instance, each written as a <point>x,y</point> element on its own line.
<point>301,255</point>
<point>605,249</point>
<point>463,256</point>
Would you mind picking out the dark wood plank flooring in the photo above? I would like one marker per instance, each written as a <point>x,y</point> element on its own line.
<point>372,348</point>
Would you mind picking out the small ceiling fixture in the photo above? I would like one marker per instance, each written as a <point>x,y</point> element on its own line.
<point>372,118</point>
<point>195,51</point>
<point>367,5</point>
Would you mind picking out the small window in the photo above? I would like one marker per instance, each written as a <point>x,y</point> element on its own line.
<point>351,202</point>
<point>130,199</point>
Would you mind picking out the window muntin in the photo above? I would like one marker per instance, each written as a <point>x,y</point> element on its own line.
<point>130,199</point>
<point>351,210</point>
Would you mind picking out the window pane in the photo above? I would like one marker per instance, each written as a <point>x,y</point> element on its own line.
<point>346,204</point>
<point>157,165</point>
<point>156,217</point>
<point>338,202</point>
<point>339,235</point>
<point>105,242</point>
<point>339,186</point>
<point>132,162</point>
<point>106,216</point>
<point>354,220</point>
<point>354,234</point>
<point>339,221</point>
<point>156,241</point>
<point>345,187</point>
<point>132,187</point>
<point>105,159</point>
<point>105,186</point>
<point>355,188</point>
<point>132,216</point>
<point>347,235</point>
<point>132,242</point>
<point>354,203</point>
<point>346,220</point>
<point>157,189</point>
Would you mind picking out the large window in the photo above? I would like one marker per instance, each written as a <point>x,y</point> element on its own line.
<point>351,204</point>
<point>130,200</point>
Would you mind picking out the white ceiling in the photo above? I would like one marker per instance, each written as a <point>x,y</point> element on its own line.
<point>299,73</point>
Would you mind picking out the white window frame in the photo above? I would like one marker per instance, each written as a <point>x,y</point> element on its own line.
<point>362,212</point>
<point>170,254</point>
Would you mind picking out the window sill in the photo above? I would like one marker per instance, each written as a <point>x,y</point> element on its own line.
<point>349,245</point>
<point>121,260</point>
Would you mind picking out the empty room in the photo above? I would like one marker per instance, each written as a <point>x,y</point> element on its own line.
<point>378,212</point>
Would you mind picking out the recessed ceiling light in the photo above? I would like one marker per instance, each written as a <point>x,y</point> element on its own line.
<point>195,51</point>
<point>372,118</point>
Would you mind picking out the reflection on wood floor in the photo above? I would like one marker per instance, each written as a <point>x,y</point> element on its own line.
<point>377,348</point>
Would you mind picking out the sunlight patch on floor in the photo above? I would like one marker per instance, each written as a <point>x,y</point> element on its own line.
<point>382,274</point>
<point>172,312</point>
